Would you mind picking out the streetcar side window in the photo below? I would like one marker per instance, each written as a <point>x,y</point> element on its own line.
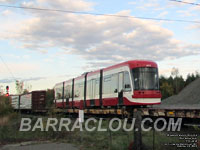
<point>107,84</point>
<point>88,88</point>
<point>79,90</point>
<point>68,91</point>
<point>97,86</point>
<point>127,82</point>
<point>92,88</point>
<point>58,91</point>
<point>114,83</point>
<point>76,90</point>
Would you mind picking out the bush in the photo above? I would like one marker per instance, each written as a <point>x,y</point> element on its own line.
<point>5,106</point>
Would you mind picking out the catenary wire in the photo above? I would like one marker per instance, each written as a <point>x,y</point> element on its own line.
<point>184,2</point>
<point>99,14</point>
<point>8,68</point>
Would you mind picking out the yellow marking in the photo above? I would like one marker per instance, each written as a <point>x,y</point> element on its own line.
<point>119,111</point>
<point>171,113</point>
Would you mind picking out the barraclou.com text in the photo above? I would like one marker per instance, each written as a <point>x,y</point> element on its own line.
<point>92,124</point>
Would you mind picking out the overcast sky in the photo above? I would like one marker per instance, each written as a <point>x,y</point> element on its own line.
<point>46,47</point>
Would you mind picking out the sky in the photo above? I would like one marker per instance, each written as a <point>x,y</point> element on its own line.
<point>43,48</point>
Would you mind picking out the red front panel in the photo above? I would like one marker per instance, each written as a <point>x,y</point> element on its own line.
<point>147,94</point>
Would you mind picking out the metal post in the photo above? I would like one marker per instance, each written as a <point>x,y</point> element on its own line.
<point>153,138</point>
<point>137,145</point>
<point>110,136</point>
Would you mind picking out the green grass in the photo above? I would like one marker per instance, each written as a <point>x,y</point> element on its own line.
<point>5,107</point>
<point>85,140</point>
<point>120,140</point>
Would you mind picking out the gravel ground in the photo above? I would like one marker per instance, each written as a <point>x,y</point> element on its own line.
<point>189,98</point>
<point>45,146</point>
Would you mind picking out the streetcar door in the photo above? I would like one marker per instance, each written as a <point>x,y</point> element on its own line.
<point>120,88</point>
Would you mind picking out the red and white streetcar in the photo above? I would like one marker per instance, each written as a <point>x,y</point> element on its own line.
<point>131,83</point>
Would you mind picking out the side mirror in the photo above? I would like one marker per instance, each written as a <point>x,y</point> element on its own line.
<point>115,91</point>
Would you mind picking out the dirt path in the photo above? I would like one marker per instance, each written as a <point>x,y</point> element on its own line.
<point>45,146</point>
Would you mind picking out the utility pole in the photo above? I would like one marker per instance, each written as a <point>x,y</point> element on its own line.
<point>137,145</point>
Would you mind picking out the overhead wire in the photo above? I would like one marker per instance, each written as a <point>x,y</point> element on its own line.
<point>99,14</point>
<point>184,2</point>
<point>7,68</point>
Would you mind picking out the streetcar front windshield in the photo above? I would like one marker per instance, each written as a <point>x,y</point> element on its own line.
<point>145,78</point>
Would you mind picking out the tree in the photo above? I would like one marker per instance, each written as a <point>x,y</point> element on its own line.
<point>22,88</point>
<point>1,90</point>
<point>166,90</point>
<point>19,86</point>
<point>197,74</point>
<point>49,97</point>
<point>174,74</point>
<point>191,77</point>
<point>27,88</point>
<point>25,91</point>
<point>175,83</point>
<point>180,84</point>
